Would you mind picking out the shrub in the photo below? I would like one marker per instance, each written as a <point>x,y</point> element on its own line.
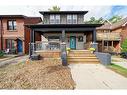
<point>1,53</point>
<point>68,49</point>
<point>124,45</point>
<point>92,49</point>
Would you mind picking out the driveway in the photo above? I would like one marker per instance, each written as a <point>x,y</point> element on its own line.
<point>96,76</point>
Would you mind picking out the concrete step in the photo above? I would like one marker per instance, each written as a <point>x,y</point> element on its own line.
<point>80,51</point>
<point>88,62</point>
<point>80,55</point>
<point>82,59</point>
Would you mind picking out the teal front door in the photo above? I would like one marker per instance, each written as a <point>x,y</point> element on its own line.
<point>72,42</point>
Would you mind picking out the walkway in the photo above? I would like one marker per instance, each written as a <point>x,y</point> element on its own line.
<point>13,60</point>
<point>96,76</point>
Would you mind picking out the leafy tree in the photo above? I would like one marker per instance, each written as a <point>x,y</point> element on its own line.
<point>54,8</point>
<point>93,20</point>
<point>124,45</point>
<point>115,19</point>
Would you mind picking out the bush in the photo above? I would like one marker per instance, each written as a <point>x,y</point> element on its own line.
<point>92,49</point>
<point>1,53</point>
<point>124,45</point>
<point>68,49</point>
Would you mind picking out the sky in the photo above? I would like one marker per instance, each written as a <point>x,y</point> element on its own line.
<point>106,11</point>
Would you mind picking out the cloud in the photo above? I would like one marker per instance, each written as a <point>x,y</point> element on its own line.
<point>95,11</point>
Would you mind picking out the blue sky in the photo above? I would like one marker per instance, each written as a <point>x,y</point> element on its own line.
<point>97,11</point>
<point>117,10</point>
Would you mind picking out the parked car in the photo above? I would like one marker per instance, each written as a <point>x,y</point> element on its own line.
<point>123,54</point>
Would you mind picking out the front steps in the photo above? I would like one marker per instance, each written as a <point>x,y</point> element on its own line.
<point>82,56</point>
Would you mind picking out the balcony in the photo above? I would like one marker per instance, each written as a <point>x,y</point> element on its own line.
<point>108,36</point>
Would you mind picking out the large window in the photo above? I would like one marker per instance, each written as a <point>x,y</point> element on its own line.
<point>10,44</point>
<point>54,19</point>
<point>11,25</point>
<point>71,19</point>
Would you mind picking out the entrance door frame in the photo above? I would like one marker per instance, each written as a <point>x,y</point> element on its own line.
<point>75,41</point>
<point>18,46</point>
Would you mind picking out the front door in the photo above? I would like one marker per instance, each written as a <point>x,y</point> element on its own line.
<point>72,42</point>
<point>19,46</point>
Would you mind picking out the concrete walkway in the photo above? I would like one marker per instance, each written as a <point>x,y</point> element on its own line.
<point>96,76</point>
<point>14,60</point>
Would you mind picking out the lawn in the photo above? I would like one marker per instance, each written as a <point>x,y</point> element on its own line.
<point>118,69</point>
<point>43,74</point>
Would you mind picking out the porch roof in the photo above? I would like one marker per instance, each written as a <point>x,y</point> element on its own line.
<point>34,26</point>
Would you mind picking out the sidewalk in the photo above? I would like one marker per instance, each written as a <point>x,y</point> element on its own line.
<point>92,76</point>
<point>14,60</point>
<point>120,61</point>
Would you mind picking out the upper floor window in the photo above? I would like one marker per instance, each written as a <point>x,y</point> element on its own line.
<point>54,19</point>
<point>11,25</point>
<point>71,19</point>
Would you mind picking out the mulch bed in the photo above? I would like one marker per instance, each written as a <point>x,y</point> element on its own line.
<point>43,74</point>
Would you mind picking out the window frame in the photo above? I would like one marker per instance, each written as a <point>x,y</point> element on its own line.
<point>71,18</point>
<point>54,19</point>
<point>11,25</point>
<point>10,43</point>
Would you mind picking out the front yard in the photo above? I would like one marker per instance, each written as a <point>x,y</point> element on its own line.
<point>47,74</point>
<point>118,69</point>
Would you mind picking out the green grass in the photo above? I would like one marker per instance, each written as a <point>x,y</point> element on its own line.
<point>118,69</point>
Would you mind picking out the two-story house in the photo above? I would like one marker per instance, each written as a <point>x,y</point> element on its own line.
<point>111,36</point>
<point>13,34</point>
<point>65,26</point>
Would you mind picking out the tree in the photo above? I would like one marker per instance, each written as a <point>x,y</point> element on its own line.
<point>124,45</point>
<point>54,8</point>
<point>115,19</point>
<point>93,20</point>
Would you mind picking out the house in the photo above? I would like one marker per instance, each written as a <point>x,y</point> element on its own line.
<point>110,36</point>
<point>64,26</point>
<point>13,35</point>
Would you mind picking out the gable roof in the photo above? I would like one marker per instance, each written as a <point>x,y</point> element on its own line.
<point>8,16</point>
<point>106,25</point>
<point>116,25</point>
<point>119,23</point>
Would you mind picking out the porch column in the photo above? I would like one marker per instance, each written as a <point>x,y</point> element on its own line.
<point>94,44</point>
<point>31,44</point>
<point>63,49</point>
<point>63,35</point>
<point>94,35</point>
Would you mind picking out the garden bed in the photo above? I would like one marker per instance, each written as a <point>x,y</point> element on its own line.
<point>42,74</point>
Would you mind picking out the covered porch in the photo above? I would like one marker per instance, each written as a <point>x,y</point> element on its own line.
<point>58,37</point>
<point>76,36</point>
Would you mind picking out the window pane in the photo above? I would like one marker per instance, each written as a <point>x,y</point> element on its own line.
<point>74,19</point>
<point>52,19</point>
<point>69,19</point>
<point>57,19</point>
<point>12,44</point>
<point>14,25</point>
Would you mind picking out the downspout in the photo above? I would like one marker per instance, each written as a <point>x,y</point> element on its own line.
<point>1,31</point>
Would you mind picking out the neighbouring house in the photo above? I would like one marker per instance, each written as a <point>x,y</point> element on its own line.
<point>110,36</point>
<point>13,34</point>
<point>64,26</point>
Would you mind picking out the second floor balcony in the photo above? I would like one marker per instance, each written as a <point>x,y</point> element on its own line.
<point>108,36</point>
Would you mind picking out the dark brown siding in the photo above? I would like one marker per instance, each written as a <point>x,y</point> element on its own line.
<point>29,20</point>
